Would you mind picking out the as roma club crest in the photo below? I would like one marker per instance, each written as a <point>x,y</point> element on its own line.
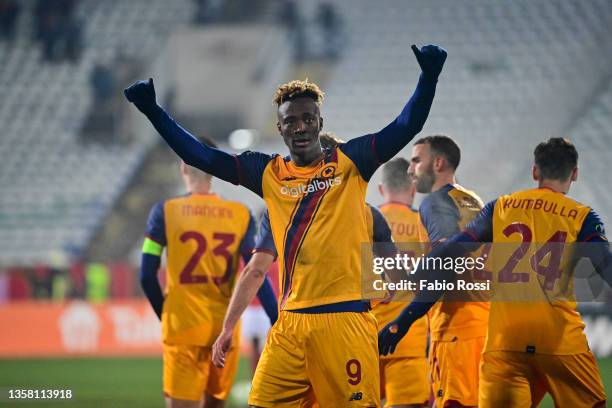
<point>328,171</point>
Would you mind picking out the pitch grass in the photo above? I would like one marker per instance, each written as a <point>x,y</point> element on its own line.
<point>121,382</point>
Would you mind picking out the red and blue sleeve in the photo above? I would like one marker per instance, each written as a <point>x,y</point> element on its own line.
<point>267,298</point>
<point>439,215</point>
<point>265,240</point>
<point>593,244</point>
<point>265,294</point>
<point>156,226</point>
<point>251,167</point>
<point>592,229</point>
<point>248,241</point>
<point>481,227</point>
<point>245,169</point>
<point>370,151</point>
<point>383,239</point>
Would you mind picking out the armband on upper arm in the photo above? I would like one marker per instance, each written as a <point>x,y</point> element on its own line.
<point>151,247</point>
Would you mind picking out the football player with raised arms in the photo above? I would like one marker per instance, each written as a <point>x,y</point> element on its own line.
<point>324,341</point>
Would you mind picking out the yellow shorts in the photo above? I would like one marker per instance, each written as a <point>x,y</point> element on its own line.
<point>189,372</point>
<point>331,356</point>
<point>515,379</point>
<point>403,381</point>
<point>453,370</point>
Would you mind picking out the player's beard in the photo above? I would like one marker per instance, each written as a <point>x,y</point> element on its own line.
<point>426,180</point>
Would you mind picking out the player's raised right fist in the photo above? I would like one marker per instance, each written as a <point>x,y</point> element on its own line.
<point>142,94</point>
<point>431,60</point>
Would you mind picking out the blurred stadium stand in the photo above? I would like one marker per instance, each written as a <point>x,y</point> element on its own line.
<point>518,72</point>
<point>55,190</point>
<point>593,135</point>
<point>64,182</point>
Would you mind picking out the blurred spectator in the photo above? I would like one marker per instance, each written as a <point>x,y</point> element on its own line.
<point>4,286</point>
<point>60,286</point>
<point>98,282</point>
<point>77,277</point>
<point>60,279</point>
<point>102,82</point>
<point>289,15</point>
<point>57,29</point>
<point>9,13</point>
<point>329,20</point>
<point>122,280</point>
<point>41,281</point>
<point>19,287</point>
<point>73,40</point>
<point>208,11</point>
<point>46,26</point>
<point>100,125</point>
<point>291,19</point>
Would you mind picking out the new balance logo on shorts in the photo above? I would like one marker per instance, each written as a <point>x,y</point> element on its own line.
<point>356,396</point>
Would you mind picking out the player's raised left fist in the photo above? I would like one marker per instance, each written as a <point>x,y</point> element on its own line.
<point>431,60</point>
<point>142,94</point>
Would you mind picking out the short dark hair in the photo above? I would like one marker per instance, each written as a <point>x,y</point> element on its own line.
<point>556,158</point>
<point>443,145</point>
<point>395,174</point>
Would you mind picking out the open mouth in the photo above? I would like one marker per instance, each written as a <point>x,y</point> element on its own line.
<point>301,142</point>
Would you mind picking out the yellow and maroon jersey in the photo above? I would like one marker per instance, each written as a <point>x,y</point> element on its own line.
<point>534,224</point>
<point>410,235</point>
<point>405,224</point>
<point>316,211</point>
<point>204,235</point>
<point>378,231</point>
<point>318,221</point>
<point>444,213</point>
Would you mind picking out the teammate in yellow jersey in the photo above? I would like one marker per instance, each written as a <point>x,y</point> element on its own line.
<point>253,275</point>
<point>205,235</point>
<point>457,329</point>
<point>404,379</point>
<point>324,342</point>
<point>537,345</point>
